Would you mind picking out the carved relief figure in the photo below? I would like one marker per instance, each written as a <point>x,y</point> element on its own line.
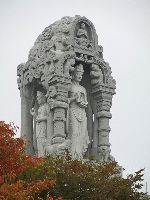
<point>96,75</point>
<point>68,66</point>
<point>104,153</point>
<point>82,36</point>
<point>77,115</point>
<point>41,122</point>
<point>82,33</point>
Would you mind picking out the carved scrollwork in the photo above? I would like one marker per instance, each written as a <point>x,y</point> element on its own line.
<point>84,58</point>
<point>109,80</point>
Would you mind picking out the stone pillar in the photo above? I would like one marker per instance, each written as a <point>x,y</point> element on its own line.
<point>59,122</point>
<point>26,119</point>
<point>103,98</point>
<point>103,129</point>
<point>60,108</point>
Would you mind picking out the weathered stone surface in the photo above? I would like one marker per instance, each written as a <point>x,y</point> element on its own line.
<point>75,116</point>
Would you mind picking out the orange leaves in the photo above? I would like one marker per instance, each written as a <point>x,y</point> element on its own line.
<point>24,191</point>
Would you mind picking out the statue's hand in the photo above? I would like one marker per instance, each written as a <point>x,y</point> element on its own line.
<point>38,119</point>
<point>78,97</point>
<point>32,112</point>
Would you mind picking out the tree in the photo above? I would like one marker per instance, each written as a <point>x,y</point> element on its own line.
<point>55,178</point>
<point>13,162</point>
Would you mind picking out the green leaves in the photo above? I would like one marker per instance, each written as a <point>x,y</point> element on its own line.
<point>56,178</point>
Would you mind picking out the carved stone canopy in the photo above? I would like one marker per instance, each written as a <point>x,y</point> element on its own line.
<point>69,42</point>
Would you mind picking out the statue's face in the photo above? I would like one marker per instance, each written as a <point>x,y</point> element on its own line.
<point>104,149</point>
<point>72,61</point>
<point>83,26</point>
<point>78,76</point>
<point>52,91</point>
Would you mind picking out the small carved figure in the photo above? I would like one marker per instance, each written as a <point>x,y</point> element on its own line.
<point>85,58</point>
<point>77,116</point>
<point>80,58</point>
<point>41,122</point>
<point>104,152</point>
<point>90,60</point>
<point>82,33</point>
<point>96,75</point>
<point>68,66</point>
<point>51,93</point>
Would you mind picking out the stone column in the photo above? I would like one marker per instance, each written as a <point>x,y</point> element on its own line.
<point>103,98</point>
<point>103,129</point>
<point>60,108</point>
<point>59,122</point>
<point>26,119</point>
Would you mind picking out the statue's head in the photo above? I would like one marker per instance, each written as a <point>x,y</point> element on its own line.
<point>82,25</point>
<point>72,61</point>
<point>78,72</point>
<point>40,97</point>
<point>52,91</point>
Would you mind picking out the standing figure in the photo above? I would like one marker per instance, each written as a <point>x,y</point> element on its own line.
<point>77,116</point>
<point>41,122</point>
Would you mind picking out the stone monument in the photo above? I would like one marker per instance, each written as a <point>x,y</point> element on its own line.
<point>66,91</point>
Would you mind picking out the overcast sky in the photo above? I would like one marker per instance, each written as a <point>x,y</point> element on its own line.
<point>123,28</point>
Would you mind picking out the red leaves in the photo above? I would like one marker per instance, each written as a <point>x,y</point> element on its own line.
<point>12,158</point>
<point>13,161</point>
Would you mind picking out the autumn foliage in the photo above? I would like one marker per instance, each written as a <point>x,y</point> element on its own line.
<point>25,177</point>
<point>13,162</point>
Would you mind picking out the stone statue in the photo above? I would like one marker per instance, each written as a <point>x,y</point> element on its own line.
<point>41,122</point>
<point>55,63</point>
<point>82,33</point>
<point>77,116</point>
<point>82,36</point>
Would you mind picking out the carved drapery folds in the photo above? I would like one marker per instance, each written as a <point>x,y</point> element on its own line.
<point>67,43</point>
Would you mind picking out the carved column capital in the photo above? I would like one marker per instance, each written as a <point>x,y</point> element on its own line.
<point>104,114</point>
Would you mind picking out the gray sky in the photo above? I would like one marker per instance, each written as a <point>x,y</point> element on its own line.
<point>123,27</point>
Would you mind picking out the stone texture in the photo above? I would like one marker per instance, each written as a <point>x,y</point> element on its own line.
<point>50,68</point>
